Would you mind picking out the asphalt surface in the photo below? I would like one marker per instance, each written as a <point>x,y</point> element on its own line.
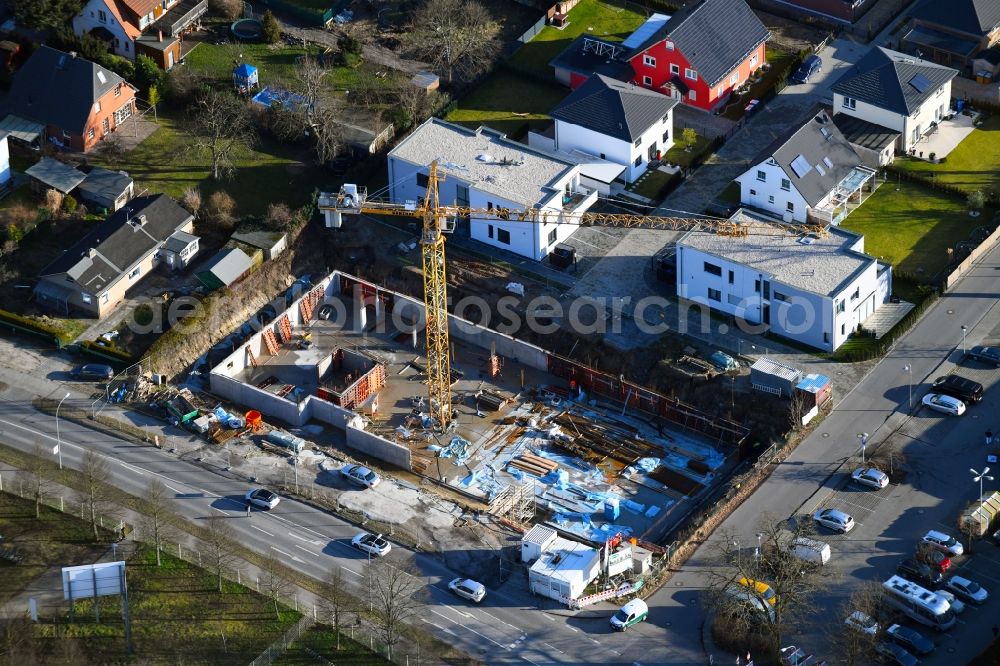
<point>507,627</point>
<point>940,450</point>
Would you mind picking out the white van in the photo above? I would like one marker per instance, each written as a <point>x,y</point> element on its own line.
<point>810,550</point>
<point>633,612</point>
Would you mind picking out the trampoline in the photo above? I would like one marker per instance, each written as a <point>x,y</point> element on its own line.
<point>247,30</point>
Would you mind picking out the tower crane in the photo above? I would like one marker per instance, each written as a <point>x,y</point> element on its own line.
<point>439,219</point>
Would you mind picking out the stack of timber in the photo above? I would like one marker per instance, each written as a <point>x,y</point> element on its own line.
<point>532,464</point>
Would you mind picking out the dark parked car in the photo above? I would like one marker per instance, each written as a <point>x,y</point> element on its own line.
<point>985,354</point>
<point>911,639</point>
<point>92,372</point>
<point>959,387</point>
<point>810,67</point>
<point>921,574</point>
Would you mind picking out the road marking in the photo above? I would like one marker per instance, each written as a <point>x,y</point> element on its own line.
<point>215,508</point>
<point>552,647</point>
<point>288,555</point>
<point>350,570</point>
<point>132,467</point>
<point>546,616</point>
<point>490,615</point>
<point>573,629</point>
<point>303,548</point>
<point>181,492</point>
<point>530,661</point>
<point>486,637</point>
<point>594,640</point>
<point>260,530</point>
<point>442,615</point>
<point>314,542</point>
<point>435,624</point>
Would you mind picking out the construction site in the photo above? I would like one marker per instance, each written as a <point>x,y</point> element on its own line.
<point>535,437</point>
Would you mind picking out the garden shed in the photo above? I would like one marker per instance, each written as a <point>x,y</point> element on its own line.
<point>245,79</point>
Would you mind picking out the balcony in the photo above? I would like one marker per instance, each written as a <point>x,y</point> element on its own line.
<point>578,201</point>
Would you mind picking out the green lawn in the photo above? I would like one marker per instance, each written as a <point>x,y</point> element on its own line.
<point>594,17</point>
<point>178,617</point>
<point>650,184</point>
<point>913,228</point>
<point>55,539</point>
<point>322,640</point>
<point>973,165</point>
<point>507,102</point>
<point>679,153</point>
<point>168,162</point>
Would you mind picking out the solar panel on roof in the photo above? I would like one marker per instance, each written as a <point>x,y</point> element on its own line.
<point>800,166</point>
<point>920,82</point>
<point>646,30</point>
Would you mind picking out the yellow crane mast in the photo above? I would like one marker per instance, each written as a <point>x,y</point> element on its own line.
<point>438,220</point>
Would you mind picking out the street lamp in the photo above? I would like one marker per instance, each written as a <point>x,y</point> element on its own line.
<point>58,439</point>
<point>979,476</point>
<point>964,329</point>
<point>908,368</point>
<point>759,535</point>
<point>863,438</point>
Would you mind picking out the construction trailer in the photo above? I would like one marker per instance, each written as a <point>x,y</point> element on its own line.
<point>564,570</point>
<point>769,376</point>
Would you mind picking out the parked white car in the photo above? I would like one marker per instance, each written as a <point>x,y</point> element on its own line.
<point>468,589</point>
<point>944,403</point>
<point>956,604</point>
<point>871,477</point>
<point>373,544</point>
<point>834,519</point>
<point>967,589</point>
<point>360,475</point>
<point>943,542</point>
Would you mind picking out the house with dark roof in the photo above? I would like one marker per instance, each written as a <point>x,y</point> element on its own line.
<point>874,144</point>
<point>72,102</point>
<point>808,174</point>
<point>618,122</point>
<point>107,189</point>
<point>953,33</point>
<point>704,51</point>
<point>92,277</point>
<point>896,91</point>
<point>843,11</point>
<point>130,28</point>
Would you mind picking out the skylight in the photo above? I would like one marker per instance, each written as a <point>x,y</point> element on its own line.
<point>800,166</point>
<point>100,77</point>
<point>920,83</point>
<point>827,162</point>
<point>820,170</point>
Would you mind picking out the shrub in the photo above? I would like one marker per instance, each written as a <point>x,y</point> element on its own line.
<point>69,203</point>
<point>53,201</point>
<point>220,210</point>
<point>148,74</point>
<point>191,199</point>
<point>14,233</point>
<point>272,29</point>
<point>279,216</point>
<point>227,9</point>
<point>976,200</point>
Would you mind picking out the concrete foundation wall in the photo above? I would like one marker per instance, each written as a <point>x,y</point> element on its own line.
<point>523,352</point>
<point>323,410</point>
<point>266,403</point>
<point>378,447</point>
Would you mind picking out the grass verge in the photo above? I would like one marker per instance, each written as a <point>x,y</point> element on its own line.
<point>973,165</point>
<point>679,153</point>
<point>508,103</point>
<point>912,227</point>
<point>608,20</point>
<point>320,642</point>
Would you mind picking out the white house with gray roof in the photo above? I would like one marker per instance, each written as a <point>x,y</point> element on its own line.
<point>482,168</point>
<point>807,174</point>
<point>615,121</point>
<point>813,289</point>
<point>897,91</point>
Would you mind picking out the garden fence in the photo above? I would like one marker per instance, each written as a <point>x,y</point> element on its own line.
<point>280,646</point>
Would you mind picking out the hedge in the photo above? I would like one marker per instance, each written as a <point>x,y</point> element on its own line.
<point>106,352</point>
<point>32,326</point>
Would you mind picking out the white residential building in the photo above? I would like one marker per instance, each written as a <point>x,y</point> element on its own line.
<point>807,174</point>
<point>484,169</point>
<point>896,91</point>
<point>614,121</point>
<point>813,289</point>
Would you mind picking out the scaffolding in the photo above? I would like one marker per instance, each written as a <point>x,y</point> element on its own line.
<point>285,329</point>
<point>515,503</point>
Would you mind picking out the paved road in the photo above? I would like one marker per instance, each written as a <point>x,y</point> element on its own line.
<point>940,450</point>
<point>507,627</point>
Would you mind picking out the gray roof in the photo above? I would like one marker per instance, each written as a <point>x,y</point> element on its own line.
<point>485,159</point>
<point>863,133</point>
<point>264,240</point>
<point>57,175</point>
<point>714,35</point>
<point>990,55</point>
<point>228,265</point>
<point>613,108</point>
<point>120,242</point>
<point>59,89</point>
<point>105,184</point>
<point>921,37</point>
<point>823,266</point>
<point>178,241</point>
<point>891,80</point>
<point>575,59</point>
<point>976,17</point>
<point>822,157</point>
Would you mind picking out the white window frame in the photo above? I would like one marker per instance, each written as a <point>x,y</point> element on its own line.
<point>648,60</point>
<point>675,69</point>
<point>786,185</point>
<point>647,80</point>
<point>690,74</point>
<point>850,103</point>
<point>761,175</point>
<point>102,16</point>
<point>135,273</point>
<point>692,95</point>
<point>753,60</point>
<point>735,78</point>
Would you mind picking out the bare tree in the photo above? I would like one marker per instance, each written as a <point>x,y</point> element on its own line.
<point>159,520</point>
<point>223,129</point>
<point>396,598</point>
<point>220,538</point>
<point>327,130</point>
<point>457,37</point>
<point>96,494</point>
<point>227,9</point>
<point>18,644</point>
<point>856,646</point>
<point>336,601</point>
<point>36,477</point>
<point>310,75</point>
<point>789,585</point>
<point>276,583</point>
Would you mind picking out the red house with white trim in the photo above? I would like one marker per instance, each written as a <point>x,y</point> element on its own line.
<point>704,51</point>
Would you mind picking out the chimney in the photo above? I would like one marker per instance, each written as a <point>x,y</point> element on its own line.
<point>160,34</point>
<point>72,54</point>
